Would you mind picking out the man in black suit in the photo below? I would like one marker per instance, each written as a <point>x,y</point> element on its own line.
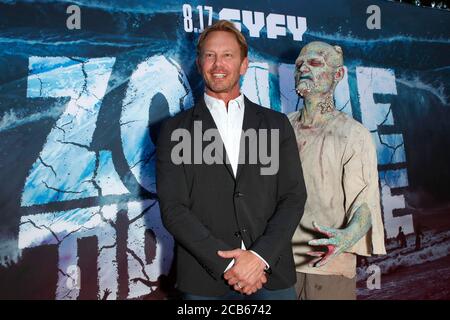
<point>233,217</point>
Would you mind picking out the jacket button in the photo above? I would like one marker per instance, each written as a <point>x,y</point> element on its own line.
<point>238,194</point>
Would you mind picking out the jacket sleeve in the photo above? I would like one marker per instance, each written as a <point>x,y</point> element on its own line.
<point>291,198</point>
<point>175,207</point>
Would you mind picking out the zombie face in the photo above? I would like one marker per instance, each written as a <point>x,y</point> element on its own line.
<point>318,69</point>
<point>221,64</point>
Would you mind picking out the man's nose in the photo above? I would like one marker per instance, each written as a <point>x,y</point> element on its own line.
<point>218,61</point>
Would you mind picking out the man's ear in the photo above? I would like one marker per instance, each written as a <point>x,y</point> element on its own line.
<point>339,74</point>
<point>244,66</point>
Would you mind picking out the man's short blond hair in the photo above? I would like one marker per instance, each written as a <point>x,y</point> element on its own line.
<point>227,26</point>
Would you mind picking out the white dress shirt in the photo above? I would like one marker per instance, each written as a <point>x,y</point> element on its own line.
<point>229,123</point>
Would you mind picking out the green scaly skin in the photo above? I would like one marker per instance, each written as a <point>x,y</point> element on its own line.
<point>340,240</point>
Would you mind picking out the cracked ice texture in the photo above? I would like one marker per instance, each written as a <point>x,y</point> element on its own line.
<point>394,178</point>
<point>64,229</point>
<point>145,215</point>
<point>155,75</point>
<point>390,148</point>
<point>375,81</point>
<point>55,176</point>
<point>107,178</point>
<point>255,84</point>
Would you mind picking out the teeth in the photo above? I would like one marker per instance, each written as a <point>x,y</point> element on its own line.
<point>219,75</point>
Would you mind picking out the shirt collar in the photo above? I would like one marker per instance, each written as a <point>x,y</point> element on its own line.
<point>213,103</point>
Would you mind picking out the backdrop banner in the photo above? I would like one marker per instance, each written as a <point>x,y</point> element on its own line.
<point>83,91</point>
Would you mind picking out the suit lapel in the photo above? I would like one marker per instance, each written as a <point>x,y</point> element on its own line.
<point>252,120</point>
<point>201,113</point>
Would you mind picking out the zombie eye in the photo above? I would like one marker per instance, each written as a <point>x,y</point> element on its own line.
<point>315,63</point>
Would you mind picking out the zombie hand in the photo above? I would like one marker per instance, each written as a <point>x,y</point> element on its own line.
<point>340,240</point>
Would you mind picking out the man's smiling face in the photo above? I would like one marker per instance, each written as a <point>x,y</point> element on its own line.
<point>221,64</point>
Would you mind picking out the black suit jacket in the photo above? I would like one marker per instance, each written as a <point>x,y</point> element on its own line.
<point>207,209</point>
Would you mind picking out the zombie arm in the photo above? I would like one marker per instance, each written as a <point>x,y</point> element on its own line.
<point>362,204</point>
<point>340,240</point>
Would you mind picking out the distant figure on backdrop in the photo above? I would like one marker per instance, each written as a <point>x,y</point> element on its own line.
<point>419,236</point>
<point>401,238</point>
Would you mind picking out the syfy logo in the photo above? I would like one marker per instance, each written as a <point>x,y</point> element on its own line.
<point>275,24</point>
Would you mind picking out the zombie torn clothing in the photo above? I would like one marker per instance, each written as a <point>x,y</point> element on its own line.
<point>340,170</point>
<point>325,287</point>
